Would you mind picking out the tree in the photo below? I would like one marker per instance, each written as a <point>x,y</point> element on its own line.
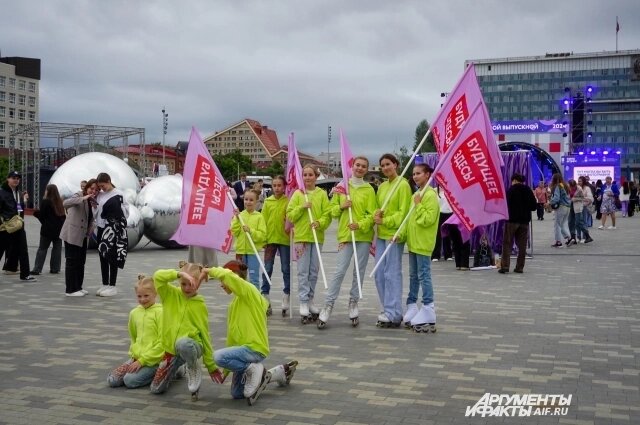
<point>231,164</point>
<point>273,170</point>
<point>429,145</point>
<point>403,156</point>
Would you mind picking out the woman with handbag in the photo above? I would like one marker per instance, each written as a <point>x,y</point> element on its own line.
<point>561,203</point>
<point>609,194</point>
<point>51,216</point>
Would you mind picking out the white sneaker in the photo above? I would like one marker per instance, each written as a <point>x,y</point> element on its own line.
<point>285,302</point>
<point>600,227</point>
<point>611,227</point>
<point>434,260</point>
<point>109,292</point>
<point>75,294</point>
<point>102,288</point>
<point>84,291</point>
<point>194,376</point>
<point>253,378</point>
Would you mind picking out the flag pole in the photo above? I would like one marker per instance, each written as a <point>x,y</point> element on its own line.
<point>315,239</point>
<point>355,253</point>
<point>253,246</point>
<point>291,246</point>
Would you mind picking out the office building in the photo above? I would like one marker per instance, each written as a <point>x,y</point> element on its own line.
<point>19,98</point>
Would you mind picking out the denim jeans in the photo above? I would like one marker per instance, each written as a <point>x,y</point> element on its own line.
<point>141,378</point>
<point>308,267</point>
<point>237,359</point>
<point>587,217</point>
<point>581,228</point>
<point>561,225</point>
<point>389,279</point>
<point>345,254</point>
<point>41,255</point>
<point>253,265</point>
<point>270,251</point>
<point>187,351</point>
<point>420,277</point>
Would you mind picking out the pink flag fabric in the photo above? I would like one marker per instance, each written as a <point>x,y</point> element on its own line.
<point>346,159</point>
<point>464,98</point>
<point>294,169</point>
<point>469,172</point>
<point>206,210</point>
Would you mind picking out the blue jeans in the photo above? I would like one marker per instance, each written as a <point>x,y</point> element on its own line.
<point>561,223</point>
<point>588,218</point>
<point>187,351</point>
<point>270,251</point>
<point>389,279</point>
<point>345,254</point>
<point>141,378</point>
<point>581,228</point>
<point>253,265</point>
<point>308,267</point>
<point>237,359</point>
<point>420,277</point>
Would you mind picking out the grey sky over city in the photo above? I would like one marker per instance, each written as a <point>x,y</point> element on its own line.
<point>372,68</point>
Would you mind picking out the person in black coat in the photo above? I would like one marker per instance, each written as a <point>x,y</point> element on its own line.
<point>51,215</point>
<point>520,203</point>
<point>14,245</point>
<point>240,187</point>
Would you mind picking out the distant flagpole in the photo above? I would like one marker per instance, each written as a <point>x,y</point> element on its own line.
<point>617,31</point>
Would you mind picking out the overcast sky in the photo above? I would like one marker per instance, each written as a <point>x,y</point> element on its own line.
<point>372,68</point>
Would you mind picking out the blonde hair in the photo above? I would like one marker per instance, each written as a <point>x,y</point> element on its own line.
<point>311,167</point>
<point>145,282</point>
<point>191,269</point>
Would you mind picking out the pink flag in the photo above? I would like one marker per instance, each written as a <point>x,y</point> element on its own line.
<point>346,160</point>
<point>294,169</point>
<point>464,98</point>
<point>206,209</point>
<point>469,172</point>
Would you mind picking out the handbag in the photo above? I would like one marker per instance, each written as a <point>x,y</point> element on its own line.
<point>617,203</point>
<point>555,205</point>
<point>483,256</point>
<point>12,225</point>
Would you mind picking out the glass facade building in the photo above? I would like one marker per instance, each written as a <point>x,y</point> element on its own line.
<point>534,88</point>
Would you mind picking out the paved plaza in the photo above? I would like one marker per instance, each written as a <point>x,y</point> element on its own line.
<point>569,325</point>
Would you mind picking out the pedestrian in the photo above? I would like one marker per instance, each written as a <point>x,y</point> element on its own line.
<point>111,219</point>
<point>255,228</point>
<point>633,198</point>
<point>274,212</point>
<point>355,216</point>
<point>239,188</point>
<point>560,203</point>
<point>145,332</point>
<point>587,208</point>
<point>13,238</point>
<point>308,258</point>
<point>577,204</point>
<point>388,276</point>
<point>247,336</point>
<point>75,232</point>
<point>521,201</point>
<point>185,328</point>
<point>610,192</point>
<point>421,232</point>
<point>461,248</point>
<point>443,238</point>
<point>541,199</point>
<point>51,216</point>
<point>598,199</point>
<point>624,197</point>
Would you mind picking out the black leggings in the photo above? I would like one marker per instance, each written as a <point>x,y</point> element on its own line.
<point>109,271</point>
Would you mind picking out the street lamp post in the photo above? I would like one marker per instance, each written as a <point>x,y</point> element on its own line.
<point>165,125</point>
<point>329,153</point>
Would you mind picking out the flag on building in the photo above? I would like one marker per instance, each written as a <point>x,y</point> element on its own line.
<point>206,210</point>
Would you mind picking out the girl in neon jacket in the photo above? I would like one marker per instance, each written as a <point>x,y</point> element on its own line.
<point>185,328</point>
<point>421,238</point>
<point>145,330</point>
<point>389,274</point>
<point>304,244</point>
<point>274,213</point>
<point>255,226</point>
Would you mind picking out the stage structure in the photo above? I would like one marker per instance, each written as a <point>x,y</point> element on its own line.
<point>41,147</point>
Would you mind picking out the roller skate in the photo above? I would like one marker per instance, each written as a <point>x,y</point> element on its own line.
<point>283,373</point>
<point>353,312</point>
<point>384,322</point>
<point>256,380</point>
<point>425,320</point>
<point>194,379</point>
<point>285,304</point>
<point>305,317</point>
<point>412,310</point>
<point>313,310</point>
<point>324,315</point>
<point>269,310</point>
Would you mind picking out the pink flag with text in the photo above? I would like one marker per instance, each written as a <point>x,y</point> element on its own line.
<point>346,160</point>
<point>294,169</point>
<point>464,98</point>
<point>206,210</point>
<point>469,172</point>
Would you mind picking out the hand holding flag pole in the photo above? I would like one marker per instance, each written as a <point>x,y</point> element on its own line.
<point>315,239</point>
<point>253,245</point>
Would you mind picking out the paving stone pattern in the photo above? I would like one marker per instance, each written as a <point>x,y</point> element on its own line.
<point>568,325</point>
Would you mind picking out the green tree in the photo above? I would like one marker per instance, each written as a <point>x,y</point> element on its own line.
<point>273,170</point>
<point>429,144</point>
<point>4,167</point>
<point>403,156</point>
<point>231,164</point>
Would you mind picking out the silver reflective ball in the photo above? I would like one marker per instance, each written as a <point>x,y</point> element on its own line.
<point>87,166</point>
<point>135,230</point>
<point>159,203</point>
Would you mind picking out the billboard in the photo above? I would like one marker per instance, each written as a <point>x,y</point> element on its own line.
<point>596,167</point>
<point>528,126</point>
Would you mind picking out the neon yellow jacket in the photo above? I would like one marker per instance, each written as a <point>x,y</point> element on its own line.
<point>363,206</point>
<point>299,216</point>
<point>396,208</point>
<point>183,317</point>
<point>258,227</point>
<point>422,226</point>
<point>145,330</point>
<point>274,212</point>
<point>247,312</point>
